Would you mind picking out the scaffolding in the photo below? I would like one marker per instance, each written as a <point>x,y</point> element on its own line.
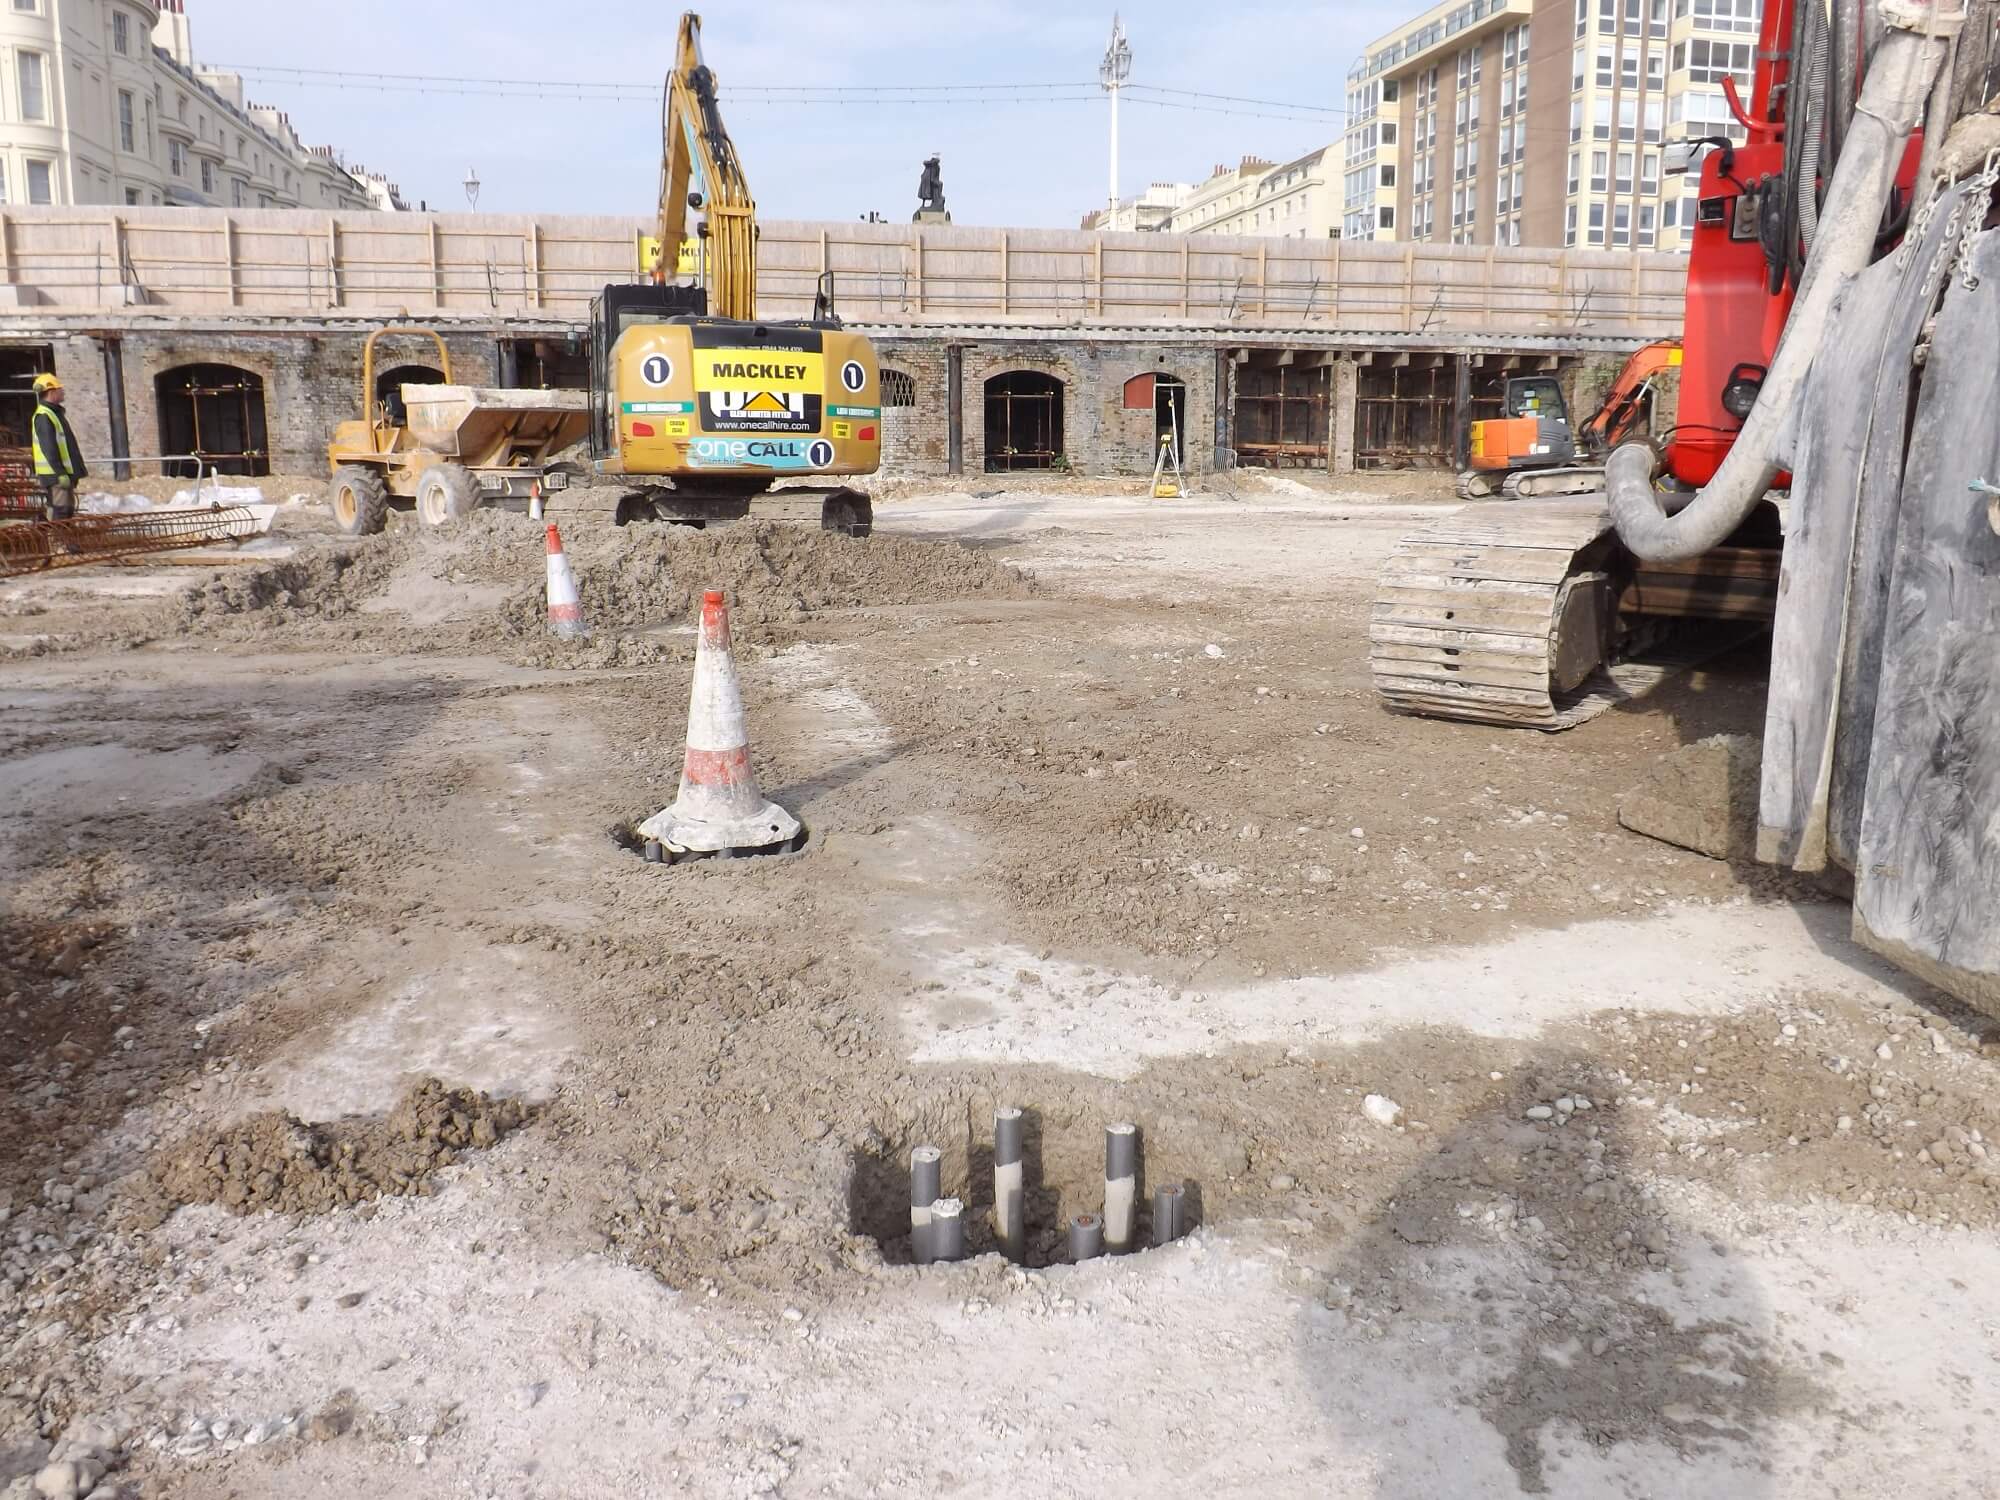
<point>1281,416</point>
<point>1024,421</point>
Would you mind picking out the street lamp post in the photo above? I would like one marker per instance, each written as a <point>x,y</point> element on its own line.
<point>471,186</point>
<point>1112,73</point>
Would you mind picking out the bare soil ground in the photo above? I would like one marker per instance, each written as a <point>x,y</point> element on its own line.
<point>373,1122</point>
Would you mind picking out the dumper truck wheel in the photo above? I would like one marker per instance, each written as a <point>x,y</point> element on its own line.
<point>445,493</point>
<point>360,500</point>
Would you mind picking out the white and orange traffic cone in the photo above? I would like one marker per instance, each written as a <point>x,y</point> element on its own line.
<point>719,807</point>
<point>565,604</point>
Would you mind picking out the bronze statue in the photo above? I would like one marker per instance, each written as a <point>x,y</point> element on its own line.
<point>930,187</point>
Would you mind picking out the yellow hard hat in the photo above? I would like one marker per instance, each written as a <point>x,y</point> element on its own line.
<point>46,382</point>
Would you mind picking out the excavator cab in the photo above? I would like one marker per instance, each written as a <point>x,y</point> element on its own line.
<point>1533,431</point>
<point>1537,396</point>
<point>612,311</point>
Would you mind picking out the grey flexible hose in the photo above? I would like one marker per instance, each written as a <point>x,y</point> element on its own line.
<point>1811,82</point>
<point>1900,76</point>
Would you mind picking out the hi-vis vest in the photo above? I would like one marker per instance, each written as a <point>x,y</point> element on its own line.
<point>45,465</point>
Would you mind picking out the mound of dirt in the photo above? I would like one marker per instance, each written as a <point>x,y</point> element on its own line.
<point>771,574</point>
<point>481,582</point>
<point>275,1161</point>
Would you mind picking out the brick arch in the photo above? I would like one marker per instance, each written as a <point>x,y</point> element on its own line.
<point>899,388</point>
<point>212,414</point>
<point>1024,419</point>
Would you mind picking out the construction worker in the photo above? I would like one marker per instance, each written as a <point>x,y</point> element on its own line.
<point>58,459</point>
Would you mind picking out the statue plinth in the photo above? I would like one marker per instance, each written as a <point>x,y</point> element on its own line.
<point>930,216</point>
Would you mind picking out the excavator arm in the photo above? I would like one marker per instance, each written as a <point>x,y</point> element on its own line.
<point>699,170</point>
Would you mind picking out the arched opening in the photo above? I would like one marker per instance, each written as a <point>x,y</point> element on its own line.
<point>213,414</point>
<point>899,388</point>
<point>389,388</point>
<point>1024,421</point>
<point>1165,396</point>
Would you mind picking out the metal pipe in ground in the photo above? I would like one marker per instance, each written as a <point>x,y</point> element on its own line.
<point>1010,1206</point>
<point>1121,1185</point>
<point>947,1230</point>
<point>926,1182</point>
<point>1086,1237</point>
<point>1169,1214</point>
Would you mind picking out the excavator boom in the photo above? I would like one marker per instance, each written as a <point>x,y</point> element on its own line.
<point>699,169</point>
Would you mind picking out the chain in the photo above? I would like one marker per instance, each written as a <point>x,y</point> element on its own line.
<point>1919,225</point>
<point>1979,196</point>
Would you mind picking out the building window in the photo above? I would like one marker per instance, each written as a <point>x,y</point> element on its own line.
<point>41,181</point>
<point>1656,23</point>
<point>1388,180</point>
<point>1582,16</point>
<point>1621,226</point>
<point>1624,182</point>
<point>1604,65</point>
<point>1388,133</point>
<point>121,32</point>
<point>1654,110</point>
<point>1656,67</point>
<point>1579,66</point>
<point>207,176</point>
<point>1386,217</point>
<point>1649,172</point>
<point>236,193</point>
<point>181,108</point>
<point>34,97</point>
<point>28,7</point>
<point>1646,235</point>
<point>1576,119</point>
<point>177,160</point>
<point>1600,166</point>
<point>1600,119</point>
<point>1575,170</point>
<point>1628,67</point>
<point>1569,226</point>
<point>1711,62</point>
<point>1634,17</point>
<point>1607,17</point>
<point>1595,236</point>
<point>1390,90</point>
<point>132,197</point>
<point>127,128</point>
<point>1628,119</point>
<point>1723,15</point>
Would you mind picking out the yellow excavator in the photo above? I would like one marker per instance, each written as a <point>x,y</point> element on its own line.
<point>700,406</point>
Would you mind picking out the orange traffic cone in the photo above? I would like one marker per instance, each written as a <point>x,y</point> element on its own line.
<point>719,807</point>
<point>565,604</point>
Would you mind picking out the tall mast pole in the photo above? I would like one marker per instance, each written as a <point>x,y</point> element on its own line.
<point>1112,73</point>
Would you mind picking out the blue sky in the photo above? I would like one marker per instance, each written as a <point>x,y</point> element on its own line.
<point>1025,164</point>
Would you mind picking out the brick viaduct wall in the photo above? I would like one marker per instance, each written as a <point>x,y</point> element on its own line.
<point>311,381</point>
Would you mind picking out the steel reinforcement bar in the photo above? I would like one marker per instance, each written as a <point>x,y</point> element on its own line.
<point>34,546</point>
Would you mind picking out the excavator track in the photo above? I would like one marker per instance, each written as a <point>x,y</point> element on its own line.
<point>1499,613</point>
<point>1510,613</point>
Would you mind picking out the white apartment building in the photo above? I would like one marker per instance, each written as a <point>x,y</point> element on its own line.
<point>1540,122</point>
<point>101,101</point>
<point>1149,210</point>
<point>1294,201</point>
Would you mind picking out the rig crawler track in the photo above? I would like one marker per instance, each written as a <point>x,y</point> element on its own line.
<point>1517,613</point>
